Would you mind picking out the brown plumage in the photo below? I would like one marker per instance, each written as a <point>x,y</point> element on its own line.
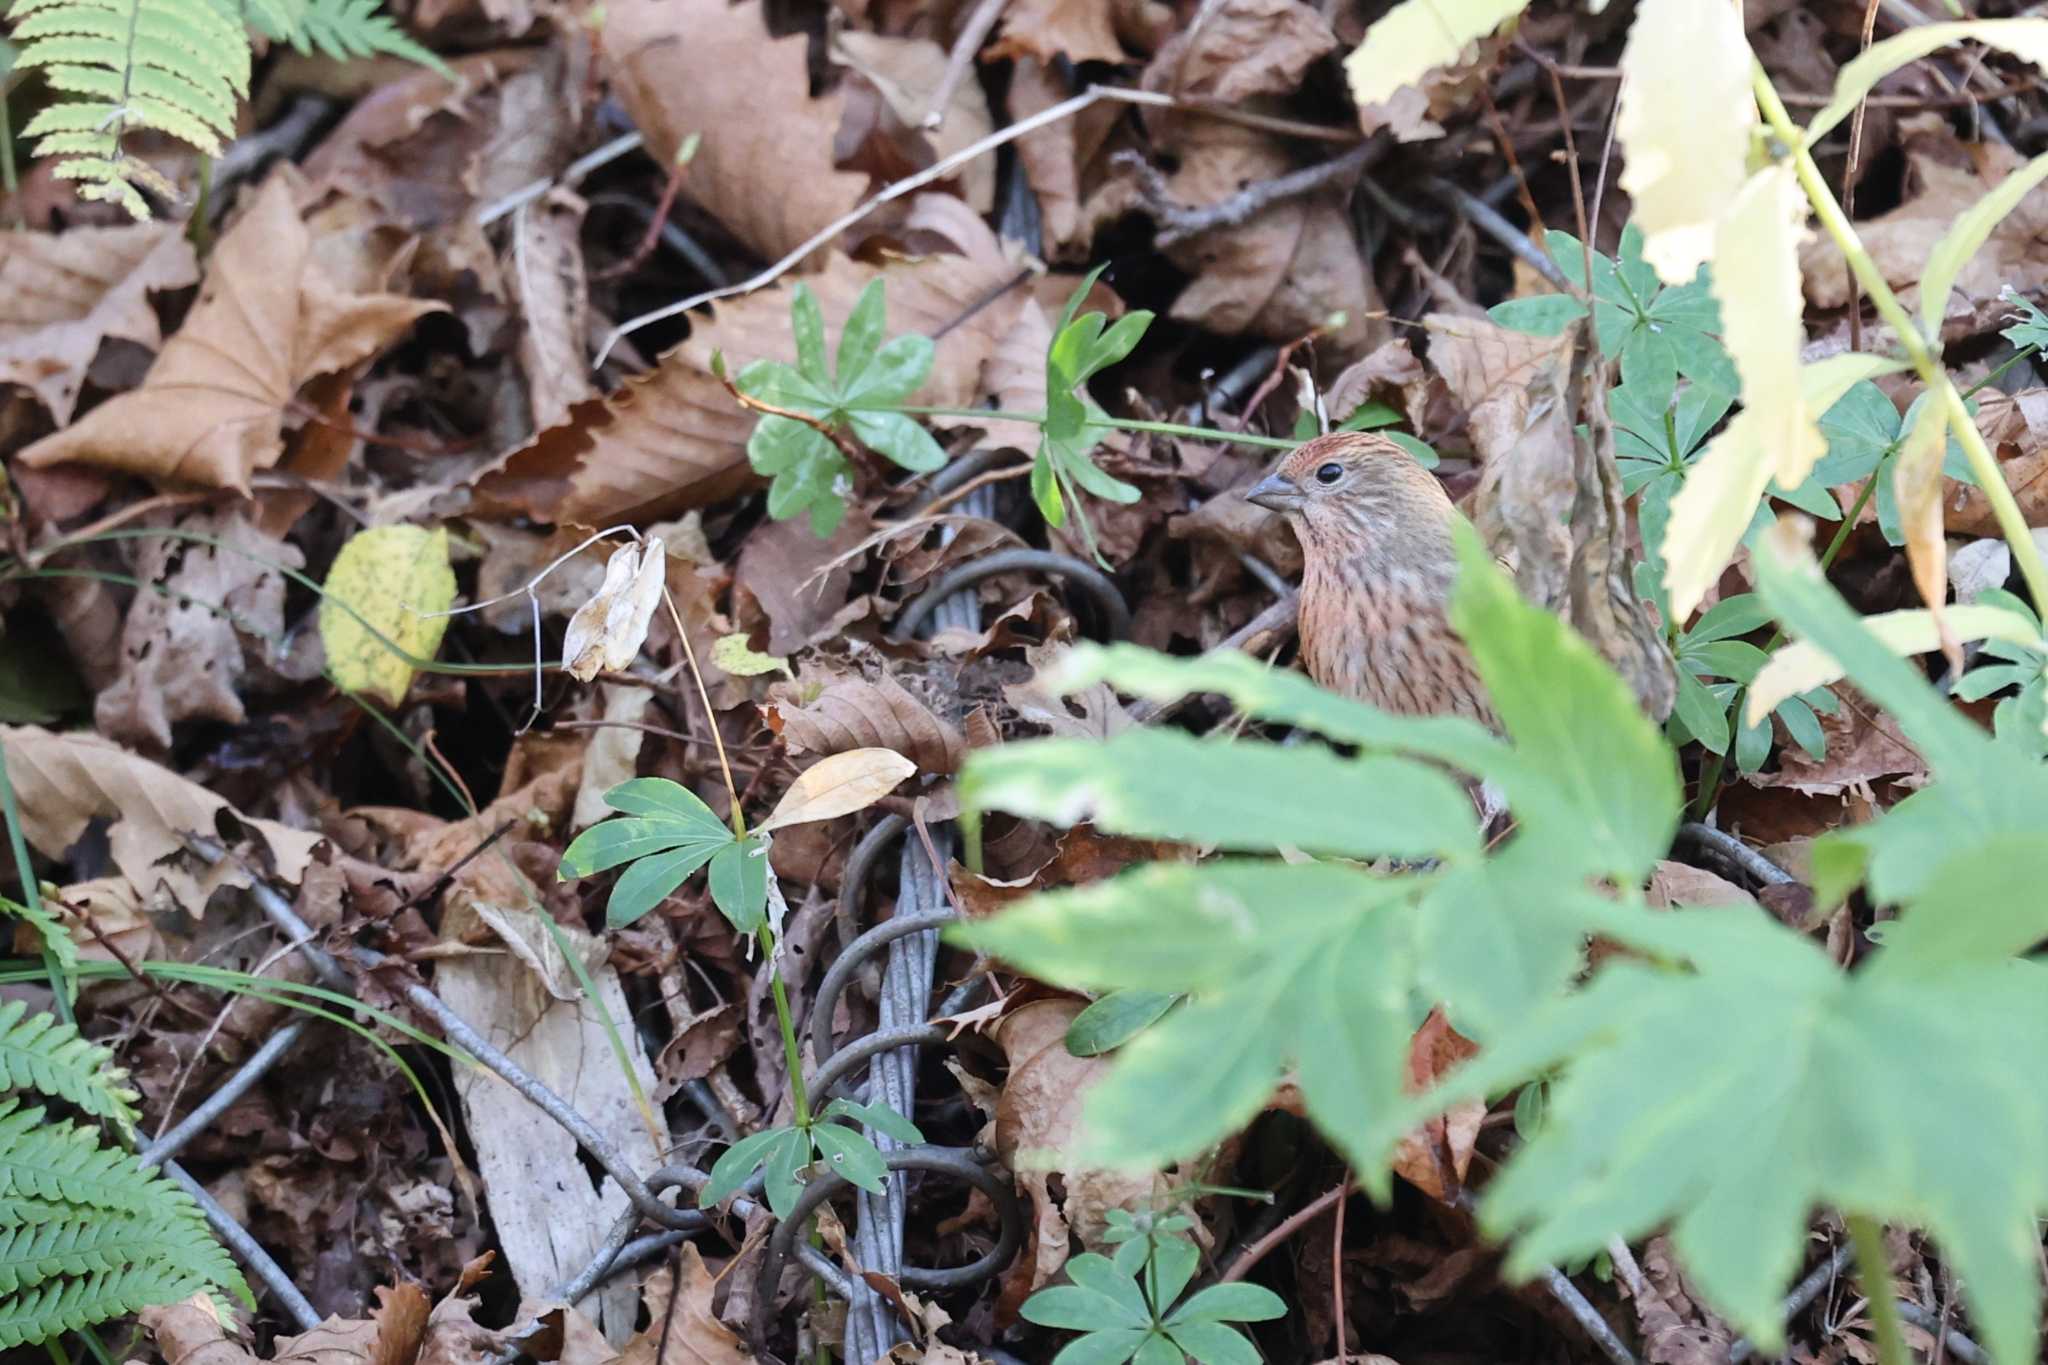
<point>1375,532</point>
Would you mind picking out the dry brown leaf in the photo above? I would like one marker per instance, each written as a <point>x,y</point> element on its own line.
<point>212,409</point>
<point>1240,49</point>
<point>1943,176</point>
<point>544,265</point>
<point>1079,30</point>
<point>61,295</point>
<point>689,1333</point>
<point>905,73</point>
<point>181,654</point>
<point>800,583</point>
<point>1436,1156</point>
<point>708,69</point>
<point>107,912</point>
<point>1491,373</point>
<point>1059,157</point>
<point>856,713</point>
<point>1677,884</point>
<point>674,439</point>
<point>614,752</point>
<point>63,782</point>
<point>1039,1114</point>
<point>2016,428</point>
<point>1863,745</point>
<point>606,632</point>
<point>839,785</point>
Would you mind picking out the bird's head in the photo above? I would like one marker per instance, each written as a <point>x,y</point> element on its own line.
<point>1357,492</point>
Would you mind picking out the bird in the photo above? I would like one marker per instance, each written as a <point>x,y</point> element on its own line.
<point>1378,568</point>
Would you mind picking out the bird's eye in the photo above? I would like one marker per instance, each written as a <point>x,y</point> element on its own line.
<point>1329,473</point>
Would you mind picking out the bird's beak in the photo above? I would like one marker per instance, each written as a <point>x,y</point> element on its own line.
<point>1274,493</point>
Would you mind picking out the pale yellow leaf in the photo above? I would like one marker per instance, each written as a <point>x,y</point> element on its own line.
<point>392,580</point>
<point>1916,484</point>
<point>1801,666</point>
<point>1970,230</point>
<point>733,654</point>
<point>1417,36</point>
<point>1756,280</point>
<point>839,785</point>
<point>1686,118</point>
<point>2023,38</point>
<point>606,632</point>
<point>1720,494</point>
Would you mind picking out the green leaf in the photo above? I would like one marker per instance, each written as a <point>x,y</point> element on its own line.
<point>1112,1347</point>
<point>1100,1296</point>
<point>900,438</point>
<point>740,1161</point>
<point>807,322</point>
<point>609,843</point>
<point>1115,1019</point>
<point>1727,618</point>
<point>1368,417</point>
<point>860,339</point>
<point>780,446</point>
<point>1239,795</point>
<point>896,371</point>
<point>1545,315</point>
<point>739,882</point>
<point>1174,1260</point>
<point>653,879</point>
<point>1592,777</point>
<point>783,1182</point>
<point>1214,1344</point>
<point>1234,1302</point>
<point>1158,1349</point>
<point>658,797</point>
<point>1425,455</point>
<point>879,1117</point>
<point>847,1153</point>
<point>2031,331</point>
<point>1804,727</point>
<point>1699,714</point>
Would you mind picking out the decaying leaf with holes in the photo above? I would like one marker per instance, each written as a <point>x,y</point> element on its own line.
<point>606,632</point>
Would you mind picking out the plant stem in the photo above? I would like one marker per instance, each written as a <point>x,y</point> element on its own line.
<point>792,1056</point>
<point>1037,419</point>
<point>31,894</point>
<point>738,817</point>
<point>2012,524</point>
<point>1873,1270</point>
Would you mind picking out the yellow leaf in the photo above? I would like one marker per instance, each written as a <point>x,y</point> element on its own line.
<point>1756,280</point>
<point>607,631</point>
<point>733,654</point>
<point>1916,483</point>
<point>1801,667</point>
<point>1417,36</point>
<point>2023,38</point>
<point>839,785</point>
<point>1970,230</point>
<point>1686,118</point>
<point>1720,494</point>
<point>394,578</point>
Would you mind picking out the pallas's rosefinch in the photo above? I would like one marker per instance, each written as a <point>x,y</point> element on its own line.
<point>1375,532</point>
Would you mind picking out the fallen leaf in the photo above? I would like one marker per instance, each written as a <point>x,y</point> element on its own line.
<point>606,632</point>
<point>709,69</point>
<point>1674,884</point>
<point>614,752</point>
<point>905,74</point>
<point>1436,1157</point>
<point>856,713</point>
<point>838,785</point>
<point>733,654</point>
<point>1863,745</point>
<point>544,265</point>
<point>2016,428</point>
<point>1415,36</point>
<point>682,1328</point>
<point>63,782</point>
<point>61,295</point>
<point>1078,30</point>
<point>1239,49</point>
<point>182,646</point>
<point>397,580</point>
<point>212,409</point>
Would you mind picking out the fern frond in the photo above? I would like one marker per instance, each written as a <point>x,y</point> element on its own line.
<point>178,66</point>
<point>56,939</point>
<point>342,29</point>
<point>38,1053</point>
<point>67,1305</point>
<point>63,1163</point>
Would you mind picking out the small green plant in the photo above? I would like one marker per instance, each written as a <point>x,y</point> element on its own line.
<point>2022,718</point>
<point>1125,1306</point>
<point>86,1233</point>
<point>862,394</point>
<point>1074,426</point>
<point>1714,667</point>
<point>667,834</point>
<point>786,1153</point>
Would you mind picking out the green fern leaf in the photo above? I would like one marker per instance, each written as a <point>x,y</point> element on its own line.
<point>67,1305</point>
<point>178,66</point>
<point>39,1053</point>
<point>343,29</point>
<point>64,1163</point>
<point>56,941</point>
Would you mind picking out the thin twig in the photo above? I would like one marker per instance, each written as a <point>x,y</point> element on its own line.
<point>958,61</point>
<point>1849,181</point>
<point>1337,1270</point>
<point>1176,222</point>
<point>1294,1223</point>
<point>848,447</point>
<point>1483,216</point>
<point>945,166</point>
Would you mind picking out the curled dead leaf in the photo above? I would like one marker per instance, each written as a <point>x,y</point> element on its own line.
<point>859,714</point>
<point>838,785</point>
<point>606,632</point>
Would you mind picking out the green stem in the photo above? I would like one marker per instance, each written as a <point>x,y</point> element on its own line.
<point>1874,1270</point>
<point>1037,419</point>
<point>791,1055</point>
<point>31,894</point>
<point>2012,524</point>
<point>2017,356</point>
